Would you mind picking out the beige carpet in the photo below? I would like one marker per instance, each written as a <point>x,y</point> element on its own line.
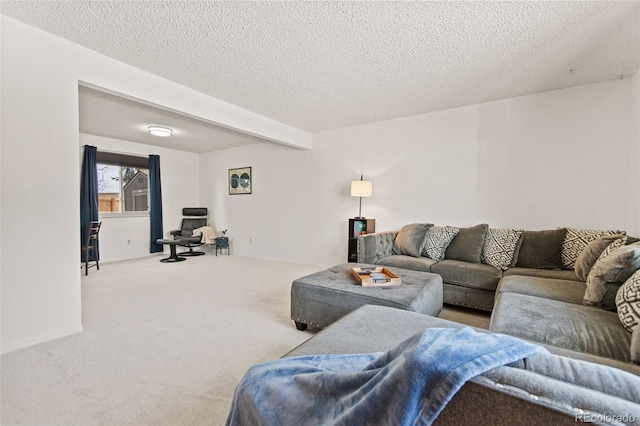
<point>467,316</point>
<point>164,344</point>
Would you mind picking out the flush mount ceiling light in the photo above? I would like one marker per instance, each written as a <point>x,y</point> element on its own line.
<point>160,131</point>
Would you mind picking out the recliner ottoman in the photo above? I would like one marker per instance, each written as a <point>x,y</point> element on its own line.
<point>322,298</point>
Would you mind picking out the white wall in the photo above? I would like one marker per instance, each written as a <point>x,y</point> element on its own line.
<point>40,194</point>
<point>40,169</point>
<point>179,189</point>
<point>553,159</point>
<point>287,197</point>
<point>559,159</point>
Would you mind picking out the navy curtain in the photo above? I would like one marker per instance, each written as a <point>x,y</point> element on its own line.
<point>155,203</point>
<point>88,194</point>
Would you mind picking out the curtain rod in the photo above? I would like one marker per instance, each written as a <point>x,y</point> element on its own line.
<point>119,152</point>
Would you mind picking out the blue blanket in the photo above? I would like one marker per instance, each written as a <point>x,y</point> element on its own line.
<point>410,384</point>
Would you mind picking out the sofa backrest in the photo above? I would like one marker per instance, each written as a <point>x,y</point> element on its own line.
<point>372,247</point>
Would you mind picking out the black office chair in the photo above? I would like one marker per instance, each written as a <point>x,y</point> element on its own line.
<point>195,217</point>
<point>90,250</point>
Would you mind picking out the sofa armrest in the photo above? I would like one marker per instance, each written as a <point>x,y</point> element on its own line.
<point>372,247</point>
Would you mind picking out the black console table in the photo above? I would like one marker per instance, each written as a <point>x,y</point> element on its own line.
<point>357,227</point>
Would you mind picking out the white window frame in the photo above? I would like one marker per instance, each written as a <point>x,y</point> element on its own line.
<point>123,213</point>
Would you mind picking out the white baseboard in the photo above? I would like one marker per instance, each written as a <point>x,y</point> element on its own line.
<point>40,339</point>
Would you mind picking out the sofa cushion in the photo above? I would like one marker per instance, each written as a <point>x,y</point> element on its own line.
<point>563,274</point>
<point>591,253</point>
<point>566,325</point>
<point>500,246</point>
<point>562,290</point>
<point>615,268</point>
<point>467,244</point>
<point>575,240</point>
<point>422,264</point>
<point>628,303</point>
<point>471,275</point>
<point>438,239</point>
<point>410,240</point>
<point>541,249</point>
<point>372,328</point>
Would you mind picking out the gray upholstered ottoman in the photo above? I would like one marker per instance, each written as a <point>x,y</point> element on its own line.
<point>324,297</point>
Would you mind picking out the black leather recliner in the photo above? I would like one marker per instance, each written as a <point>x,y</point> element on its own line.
<point>195,217</point>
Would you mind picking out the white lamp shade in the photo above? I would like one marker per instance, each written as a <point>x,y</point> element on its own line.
<point>361,188</point>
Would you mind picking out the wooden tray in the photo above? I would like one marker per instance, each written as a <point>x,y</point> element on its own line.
<point>365,280</point>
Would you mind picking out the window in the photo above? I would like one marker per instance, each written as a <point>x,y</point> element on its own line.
<point>123,185</point>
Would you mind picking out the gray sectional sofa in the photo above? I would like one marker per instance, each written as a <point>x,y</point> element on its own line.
<point>467,280</point>
<point>591,372</point>
<point>564,387</point>
<point>534,298</point>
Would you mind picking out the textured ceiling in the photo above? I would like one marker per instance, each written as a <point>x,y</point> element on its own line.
<point>104,114</point>
<point>325,65</point>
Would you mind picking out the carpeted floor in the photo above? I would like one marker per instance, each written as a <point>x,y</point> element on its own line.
<point>164,344</point>
<point>467,316</point>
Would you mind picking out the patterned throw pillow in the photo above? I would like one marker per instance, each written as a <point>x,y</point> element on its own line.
<point>500,246</point>
<point>592,253</point>
<point>628,302</point>
<point>610,248</point>
<point>438,239</point>
<point>575,240</point>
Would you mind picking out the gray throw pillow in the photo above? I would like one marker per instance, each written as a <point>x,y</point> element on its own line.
<point>614,268</point>
<point>467,244</point>
<point>410,240</point>
<point>628,304</point>
<point>591,253</point>
<point>500,246</point>
<point>541,249</point>
<point>438,239</point>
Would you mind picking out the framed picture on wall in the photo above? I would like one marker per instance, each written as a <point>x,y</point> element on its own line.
<point>240,181</point>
